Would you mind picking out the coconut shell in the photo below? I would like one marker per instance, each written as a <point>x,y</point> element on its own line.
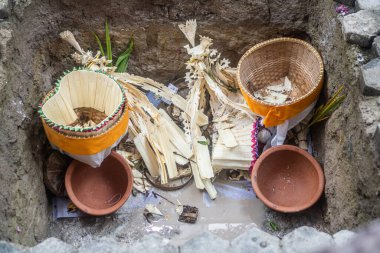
<point>54,173</point>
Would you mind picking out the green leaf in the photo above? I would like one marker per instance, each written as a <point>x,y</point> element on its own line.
<point>108,42</point>
<point>123,66</point>
<point>274,226</point>
<point>99,44</point>
<point>203,142</point>
<point>123,59</point>
<point>324,111</point>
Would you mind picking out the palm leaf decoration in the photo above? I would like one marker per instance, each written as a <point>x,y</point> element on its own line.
<point>99,44</point>
<point>325,110</point>
<point>123,59</point>
<point>108,42</point>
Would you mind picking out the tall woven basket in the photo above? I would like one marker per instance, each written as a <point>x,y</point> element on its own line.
<point>271,60</point>
<point>85,115</point>
<point>83,95</point>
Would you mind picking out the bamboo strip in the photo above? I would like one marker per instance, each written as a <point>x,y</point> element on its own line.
<point>228,138</point>
<point>147,154</point>
<point>197,177</point>
<point>203,158</point>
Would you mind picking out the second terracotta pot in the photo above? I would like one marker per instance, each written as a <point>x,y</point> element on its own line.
<point>287,179</point>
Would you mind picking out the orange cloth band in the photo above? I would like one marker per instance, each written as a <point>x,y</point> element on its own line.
<point>88,146</point>
<point>276,115</point>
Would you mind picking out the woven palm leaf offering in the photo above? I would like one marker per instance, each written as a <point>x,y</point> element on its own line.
<point>84,115</point>
<point>280,78</point>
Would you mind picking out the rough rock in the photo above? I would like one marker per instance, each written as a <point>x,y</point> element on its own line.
<point>4,9</point>
<point>53,245</point>
<point>368,4</point>
<point>370,78</point>
<point>104,245</point>
<point>367,241</point>
<point>255,240</point>
<point>361,27</point>
<point>343,237</point>
<point>205,243</point>
<point>153,243</point>
<point>376,46</point>
<point>305,240</point>
<point>370,114</point>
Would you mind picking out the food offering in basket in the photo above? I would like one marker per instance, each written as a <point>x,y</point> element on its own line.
<point>280,79</point>
<point>85,115</point>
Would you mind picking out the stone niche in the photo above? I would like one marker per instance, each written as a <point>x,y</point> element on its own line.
<point>32,56</point>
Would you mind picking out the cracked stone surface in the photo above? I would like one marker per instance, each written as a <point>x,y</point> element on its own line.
<point>53,245</point>
<point>370,78</point>
<point>255,240</point>
<point>205,243</point>
<point>303,239</point>
<point>361,27</point>
<point>343,237</point>
<point>368,4</point>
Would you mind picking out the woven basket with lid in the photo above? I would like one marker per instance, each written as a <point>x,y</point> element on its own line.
<point>271,60</point>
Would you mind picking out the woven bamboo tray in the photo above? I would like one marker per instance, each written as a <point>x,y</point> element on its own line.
<point>83,93</point>
<point>269,61</point>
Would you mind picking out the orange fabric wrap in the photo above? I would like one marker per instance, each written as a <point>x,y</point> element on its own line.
<point>276,115</point>
<point>88,146</point>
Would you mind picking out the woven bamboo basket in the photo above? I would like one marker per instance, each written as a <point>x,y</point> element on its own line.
<point>271,60</point>
<point>83,96</point>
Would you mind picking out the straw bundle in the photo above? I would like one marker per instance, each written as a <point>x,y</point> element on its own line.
<point>84,103</point>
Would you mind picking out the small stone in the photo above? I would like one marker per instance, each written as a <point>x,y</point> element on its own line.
<point>305,240</point>
<point>361,27</point>
<point>205,243</point>
<point>370,78</point>
<point>343,237</point>
<point>4,9</point>
<point>255,240</point>
<point>53,245</point>
<point>368,4</point>
<point>153,243</point>
<point>376,46</point>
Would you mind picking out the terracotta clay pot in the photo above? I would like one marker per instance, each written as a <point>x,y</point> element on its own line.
<point>99,191</point>
<point>287,179</point>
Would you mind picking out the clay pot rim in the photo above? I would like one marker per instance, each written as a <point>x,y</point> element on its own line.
<point>94,211</point>
<point>288,209</point>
